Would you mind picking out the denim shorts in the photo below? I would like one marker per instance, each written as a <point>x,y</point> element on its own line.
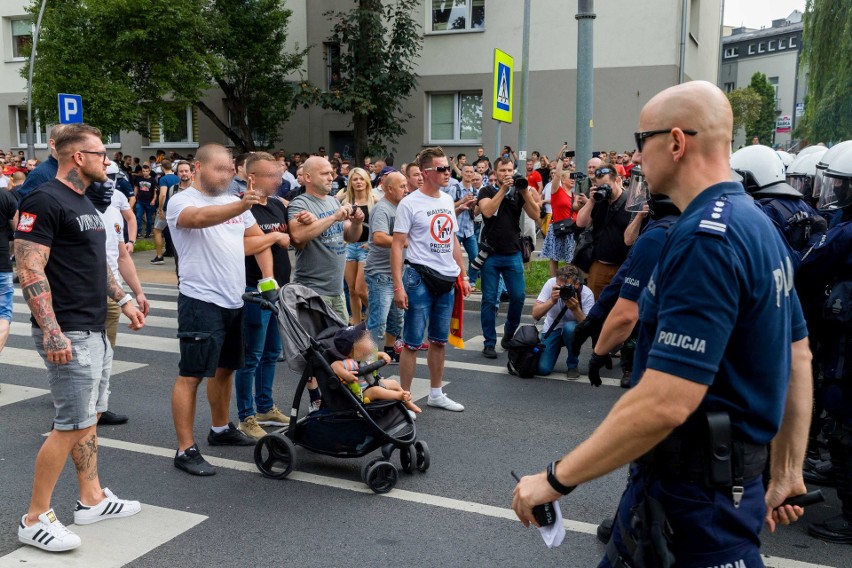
<point>160,224</point>
<point>7,290</point>
<point>80,388</point>
<point>425,308</point>
<point>210,337</point>
<point>355,252</point>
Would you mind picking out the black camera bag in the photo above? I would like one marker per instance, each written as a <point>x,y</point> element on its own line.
<point>525,348</point>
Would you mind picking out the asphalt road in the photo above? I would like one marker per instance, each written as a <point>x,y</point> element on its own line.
<point>456,514</point>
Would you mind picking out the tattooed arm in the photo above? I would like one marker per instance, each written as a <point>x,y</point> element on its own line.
<point>116,292</point>
<point>31,259</point>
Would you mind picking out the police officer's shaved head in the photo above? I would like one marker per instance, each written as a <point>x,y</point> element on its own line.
<point>684,140</point>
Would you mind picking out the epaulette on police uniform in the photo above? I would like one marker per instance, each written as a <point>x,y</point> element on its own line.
<point>714,219</point>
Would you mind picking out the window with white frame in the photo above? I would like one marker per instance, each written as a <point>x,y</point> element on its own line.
<point>774,82</point>
<point>455,118</point>
<point>782,44</point>
<point>761,47</point>
<point>729,87</point>
<point>179,130</point>
<point>39,131</point>
<point>732,52</point>
<point>792,41</point>
<point>113,140</point>
<point>22,37</point>
<point>751,49</point>
<point>332,66</point>
<point>457,15</point>
<point>772,45</point>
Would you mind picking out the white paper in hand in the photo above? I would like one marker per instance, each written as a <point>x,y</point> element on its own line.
<point>553,534</point>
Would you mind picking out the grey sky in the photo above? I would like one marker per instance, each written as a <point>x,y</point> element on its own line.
<point>757,13</point>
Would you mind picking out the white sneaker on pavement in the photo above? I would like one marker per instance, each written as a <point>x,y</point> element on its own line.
<point>444,402</point>
<point>48,534</point>
<point>110,508</point>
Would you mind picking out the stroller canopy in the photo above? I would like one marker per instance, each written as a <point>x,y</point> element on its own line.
<point>302,316</point>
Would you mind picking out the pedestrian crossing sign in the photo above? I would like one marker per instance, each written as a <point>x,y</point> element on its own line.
<point>503,65</point>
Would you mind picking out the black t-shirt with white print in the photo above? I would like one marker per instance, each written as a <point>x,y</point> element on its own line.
<point>271,218</point>
<point>56,216</point>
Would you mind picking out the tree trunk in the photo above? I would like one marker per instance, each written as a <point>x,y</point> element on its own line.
<point>359,131</point>
<point>233,137</point>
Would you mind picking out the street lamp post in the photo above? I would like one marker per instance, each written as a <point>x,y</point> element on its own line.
<point>30,143</point>
<point>585,78</point>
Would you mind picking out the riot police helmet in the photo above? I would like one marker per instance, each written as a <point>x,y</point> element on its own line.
<point>800,174</point>
<point>825,160</point>
<point>763,172</point>
<point>836,185</point>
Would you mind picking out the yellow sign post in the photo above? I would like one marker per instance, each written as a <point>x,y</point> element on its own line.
<point>503,70</point>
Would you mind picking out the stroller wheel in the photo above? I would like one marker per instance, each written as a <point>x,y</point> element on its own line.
<point>366,467</point>
<point>382,476</point>
<point>407,458</point>
<point>422,455</point>
<point>275,456</point>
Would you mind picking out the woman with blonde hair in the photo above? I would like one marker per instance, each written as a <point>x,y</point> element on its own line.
<point>558,248</point>
<point>358,193</point>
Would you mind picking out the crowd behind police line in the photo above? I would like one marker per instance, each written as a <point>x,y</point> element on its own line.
<point>613,226</point>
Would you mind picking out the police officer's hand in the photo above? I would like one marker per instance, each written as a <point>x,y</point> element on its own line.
<point>532,490</point>
<point>781,488</point>
<point>596,363</point>
<point>587,328</point>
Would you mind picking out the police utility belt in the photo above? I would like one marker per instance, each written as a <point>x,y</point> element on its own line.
<point>708,455</point>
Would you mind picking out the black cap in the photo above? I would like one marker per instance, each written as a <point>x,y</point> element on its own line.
<point>346,337</point>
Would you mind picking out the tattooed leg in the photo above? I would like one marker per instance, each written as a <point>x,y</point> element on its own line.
<point>85,456</point>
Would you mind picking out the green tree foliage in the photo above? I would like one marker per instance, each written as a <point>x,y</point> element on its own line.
<point>764,125</point>
<point>137,61</point>
<point>827,50</point>
<point>379,42</point>
<point>746,105</point>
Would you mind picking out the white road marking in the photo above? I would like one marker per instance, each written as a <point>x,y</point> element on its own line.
<point>10,394</point>
<point>166,322</point>
<point>400,494</point>
<point>419,387</point>
<point>158,304</point>
<point>113,543</point>
<point>30,358</point>
<point>501,369</point>
<point>125,340</point>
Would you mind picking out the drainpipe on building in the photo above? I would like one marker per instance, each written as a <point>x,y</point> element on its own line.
<point>30,143</point>
<point>525,90</point>
<point>585,79</point>
<point>721,47</point>
<point>680,73</point>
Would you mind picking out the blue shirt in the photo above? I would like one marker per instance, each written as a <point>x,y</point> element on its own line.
<point>828,260</point>
<point>720,310</point>
<point>168,180</point>
<point>465,219</point>
<point>43,173</point>
<point>633,275</point>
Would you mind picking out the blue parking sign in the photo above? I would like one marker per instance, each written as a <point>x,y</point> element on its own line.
<point>70,109</point>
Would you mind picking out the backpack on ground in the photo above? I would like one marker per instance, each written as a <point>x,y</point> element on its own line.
<point>526,346</point>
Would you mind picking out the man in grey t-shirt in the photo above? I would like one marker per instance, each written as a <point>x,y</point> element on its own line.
<point>320,252</point>
<point>384,319</point>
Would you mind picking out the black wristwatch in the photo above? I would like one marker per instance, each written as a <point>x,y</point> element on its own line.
<point>551,479</point>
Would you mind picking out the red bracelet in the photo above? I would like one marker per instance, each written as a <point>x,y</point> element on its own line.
<point>397,289</point>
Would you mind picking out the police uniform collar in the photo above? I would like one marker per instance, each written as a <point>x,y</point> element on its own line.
<point>714,192</point>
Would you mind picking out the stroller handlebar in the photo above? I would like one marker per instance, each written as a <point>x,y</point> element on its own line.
<point>266,300</point>
<point>367,369</point>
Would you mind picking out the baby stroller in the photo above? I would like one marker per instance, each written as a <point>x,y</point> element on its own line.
<point>343,427</point>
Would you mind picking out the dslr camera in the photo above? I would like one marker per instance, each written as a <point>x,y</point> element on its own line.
<point>603,193</point>
<point>567,292</point>
<point>519,182</point>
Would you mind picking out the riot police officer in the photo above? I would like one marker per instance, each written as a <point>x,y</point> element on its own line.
<point>825,284</point>
<point>722,291</point>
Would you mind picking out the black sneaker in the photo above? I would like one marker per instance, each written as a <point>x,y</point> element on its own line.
<point>110,418</point>
<point>157,260</point>
<point>836,529</point>
<point>489,352</point>
<point>504,342</point>
<point>625,380</point>
<point>193,463</point>
<point>230,437</point>
<point>605,530</point>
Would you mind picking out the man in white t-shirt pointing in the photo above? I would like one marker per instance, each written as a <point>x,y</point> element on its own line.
<point>212,232</point>
<point>426,218</point>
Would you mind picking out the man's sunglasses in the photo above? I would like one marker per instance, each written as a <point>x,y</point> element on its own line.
<point>601,172</point>
<point>439,169</point>
<point>640,137</point>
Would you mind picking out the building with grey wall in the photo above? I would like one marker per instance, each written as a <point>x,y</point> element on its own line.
<point>775,51</point>
<point>452,104</point>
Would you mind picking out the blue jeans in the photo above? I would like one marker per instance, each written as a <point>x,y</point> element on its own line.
<point>553,345</point>
<point>511,268</point>
<point>425,308</point>
<point>262,348</point>
<point>7,290</point>
<point>149,212</point>
<point>384,316</point>
<point>471,246</point>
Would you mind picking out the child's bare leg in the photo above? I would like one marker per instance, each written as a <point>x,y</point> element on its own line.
<point>379,393</point>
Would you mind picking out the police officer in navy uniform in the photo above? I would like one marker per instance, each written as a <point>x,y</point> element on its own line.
<point>711,394</point>
<point>824,282</point>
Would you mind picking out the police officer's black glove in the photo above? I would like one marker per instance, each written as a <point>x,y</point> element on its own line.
<point>596,362</point>
<point>585,329</point>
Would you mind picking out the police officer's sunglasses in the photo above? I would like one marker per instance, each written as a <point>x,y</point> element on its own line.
<point>640,137</point>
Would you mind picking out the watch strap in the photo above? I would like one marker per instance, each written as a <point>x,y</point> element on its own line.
<point>551,479</point>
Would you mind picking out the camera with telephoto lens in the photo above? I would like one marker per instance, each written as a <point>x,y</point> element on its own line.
<point>520,182</point>
<point>603,193</point>
<point>567,292</point>
<point>484,252</point>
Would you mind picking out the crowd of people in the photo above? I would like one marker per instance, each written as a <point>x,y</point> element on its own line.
<point>382,246</point>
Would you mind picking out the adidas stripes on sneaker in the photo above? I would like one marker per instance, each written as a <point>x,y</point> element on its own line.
<point>48,534</point>
<point>110,508</point>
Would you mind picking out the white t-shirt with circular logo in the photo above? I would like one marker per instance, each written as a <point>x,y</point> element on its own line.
<point>431,226</point>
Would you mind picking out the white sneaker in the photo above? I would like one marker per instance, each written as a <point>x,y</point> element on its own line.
<point>444,402</point>
<point>110,508</point>
<point>48,534</point>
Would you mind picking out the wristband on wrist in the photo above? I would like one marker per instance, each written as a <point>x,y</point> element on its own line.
<point>397,289</point>
<point>554,483</point>
<point>466,278</point>
<point>131,242</point>
<point>124,300</point>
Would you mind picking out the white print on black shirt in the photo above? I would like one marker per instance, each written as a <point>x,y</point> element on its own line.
<point>90,223</point>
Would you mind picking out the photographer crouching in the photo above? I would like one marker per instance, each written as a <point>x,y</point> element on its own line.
<point>609,217</point>
<point>565,290</point>
<point>500,250</point>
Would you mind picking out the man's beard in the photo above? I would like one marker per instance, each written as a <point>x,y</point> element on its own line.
<point>211,188</point>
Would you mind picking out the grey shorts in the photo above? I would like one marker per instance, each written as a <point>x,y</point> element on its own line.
<point>80,388</point>
<point>160,223</point>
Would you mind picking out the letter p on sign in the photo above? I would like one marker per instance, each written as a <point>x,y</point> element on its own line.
<point>70,109</point>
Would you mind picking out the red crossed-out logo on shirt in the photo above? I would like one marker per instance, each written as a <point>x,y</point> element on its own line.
<point>26,222</point>
<point>442,228</point>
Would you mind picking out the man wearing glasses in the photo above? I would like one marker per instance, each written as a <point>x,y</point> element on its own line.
<point>60,246</point>
<point>606,211</point>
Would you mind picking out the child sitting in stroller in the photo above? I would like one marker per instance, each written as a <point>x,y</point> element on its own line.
<point>353,344</point>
